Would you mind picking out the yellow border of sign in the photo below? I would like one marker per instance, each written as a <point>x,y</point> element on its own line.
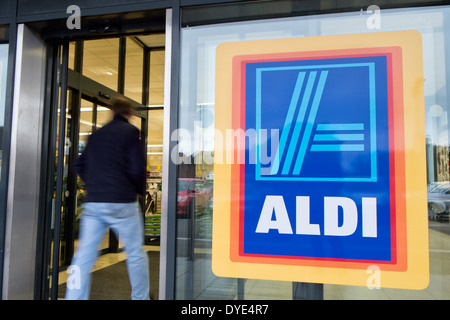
<point>417,274</point>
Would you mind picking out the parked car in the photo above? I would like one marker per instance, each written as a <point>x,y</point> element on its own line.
<point>439,201</point>
<point>192,192</point>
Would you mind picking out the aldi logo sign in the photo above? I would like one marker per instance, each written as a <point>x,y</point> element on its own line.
<point>326,178</point>
<point>326,112</point>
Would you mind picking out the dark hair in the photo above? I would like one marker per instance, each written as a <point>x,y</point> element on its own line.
<point>122,106</point>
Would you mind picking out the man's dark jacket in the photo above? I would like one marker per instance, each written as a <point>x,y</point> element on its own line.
<point>113,165</point>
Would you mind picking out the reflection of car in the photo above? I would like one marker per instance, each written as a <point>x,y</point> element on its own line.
<point>209,176</point>
<point>191,191</point>
<point>439,201</point>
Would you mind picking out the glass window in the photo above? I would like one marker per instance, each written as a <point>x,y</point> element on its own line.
<point>154,44</point>
<point>155,142</point>
<point>72,55</point>
<point>156,77</point>
<point>195,279</point>
<point>104,115</point>
<point>135,121</point>
<point>101,61</point>
<point>86,123</point>
<point>3,70</point>
<point>154,159</point>
<point>133,70</point>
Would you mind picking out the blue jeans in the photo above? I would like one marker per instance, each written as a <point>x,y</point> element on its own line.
<point>126,221</point>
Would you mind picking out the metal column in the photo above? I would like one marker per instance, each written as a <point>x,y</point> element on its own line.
<point>24,166</point>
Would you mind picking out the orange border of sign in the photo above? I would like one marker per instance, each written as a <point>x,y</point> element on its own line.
<point>410,267</point>
<point>398,261</point>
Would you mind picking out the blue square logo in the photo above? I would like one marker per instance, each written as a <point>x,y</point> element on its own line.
<point>323,135</point>
<point>317,115</point>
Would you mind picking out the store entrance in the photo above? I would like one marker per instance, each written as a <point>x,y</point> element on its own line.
<point>87,75</point>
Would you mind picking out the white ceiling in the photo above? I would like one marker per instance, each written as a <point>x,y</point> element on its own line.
<point>101,59</point>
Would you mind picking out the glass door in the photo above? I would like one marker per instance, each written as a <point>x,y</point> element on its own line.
<point>77,114</point>
<point>85,76</point>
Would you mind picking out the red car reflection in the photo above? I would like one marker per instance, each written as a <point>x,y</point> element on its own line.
<point>191,192</point>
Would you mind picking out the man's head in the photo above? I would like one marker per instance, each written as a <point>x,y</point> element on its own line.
<point>122,106</point>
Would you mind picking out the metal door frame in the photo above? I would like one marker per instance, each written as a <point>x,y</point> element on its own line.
<point>27,125</point>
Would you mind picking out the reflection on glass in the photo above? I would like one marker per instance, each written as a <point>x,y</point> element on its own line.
<point>197,87</point>
<point>3,67</point>
<point>193,195</point>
